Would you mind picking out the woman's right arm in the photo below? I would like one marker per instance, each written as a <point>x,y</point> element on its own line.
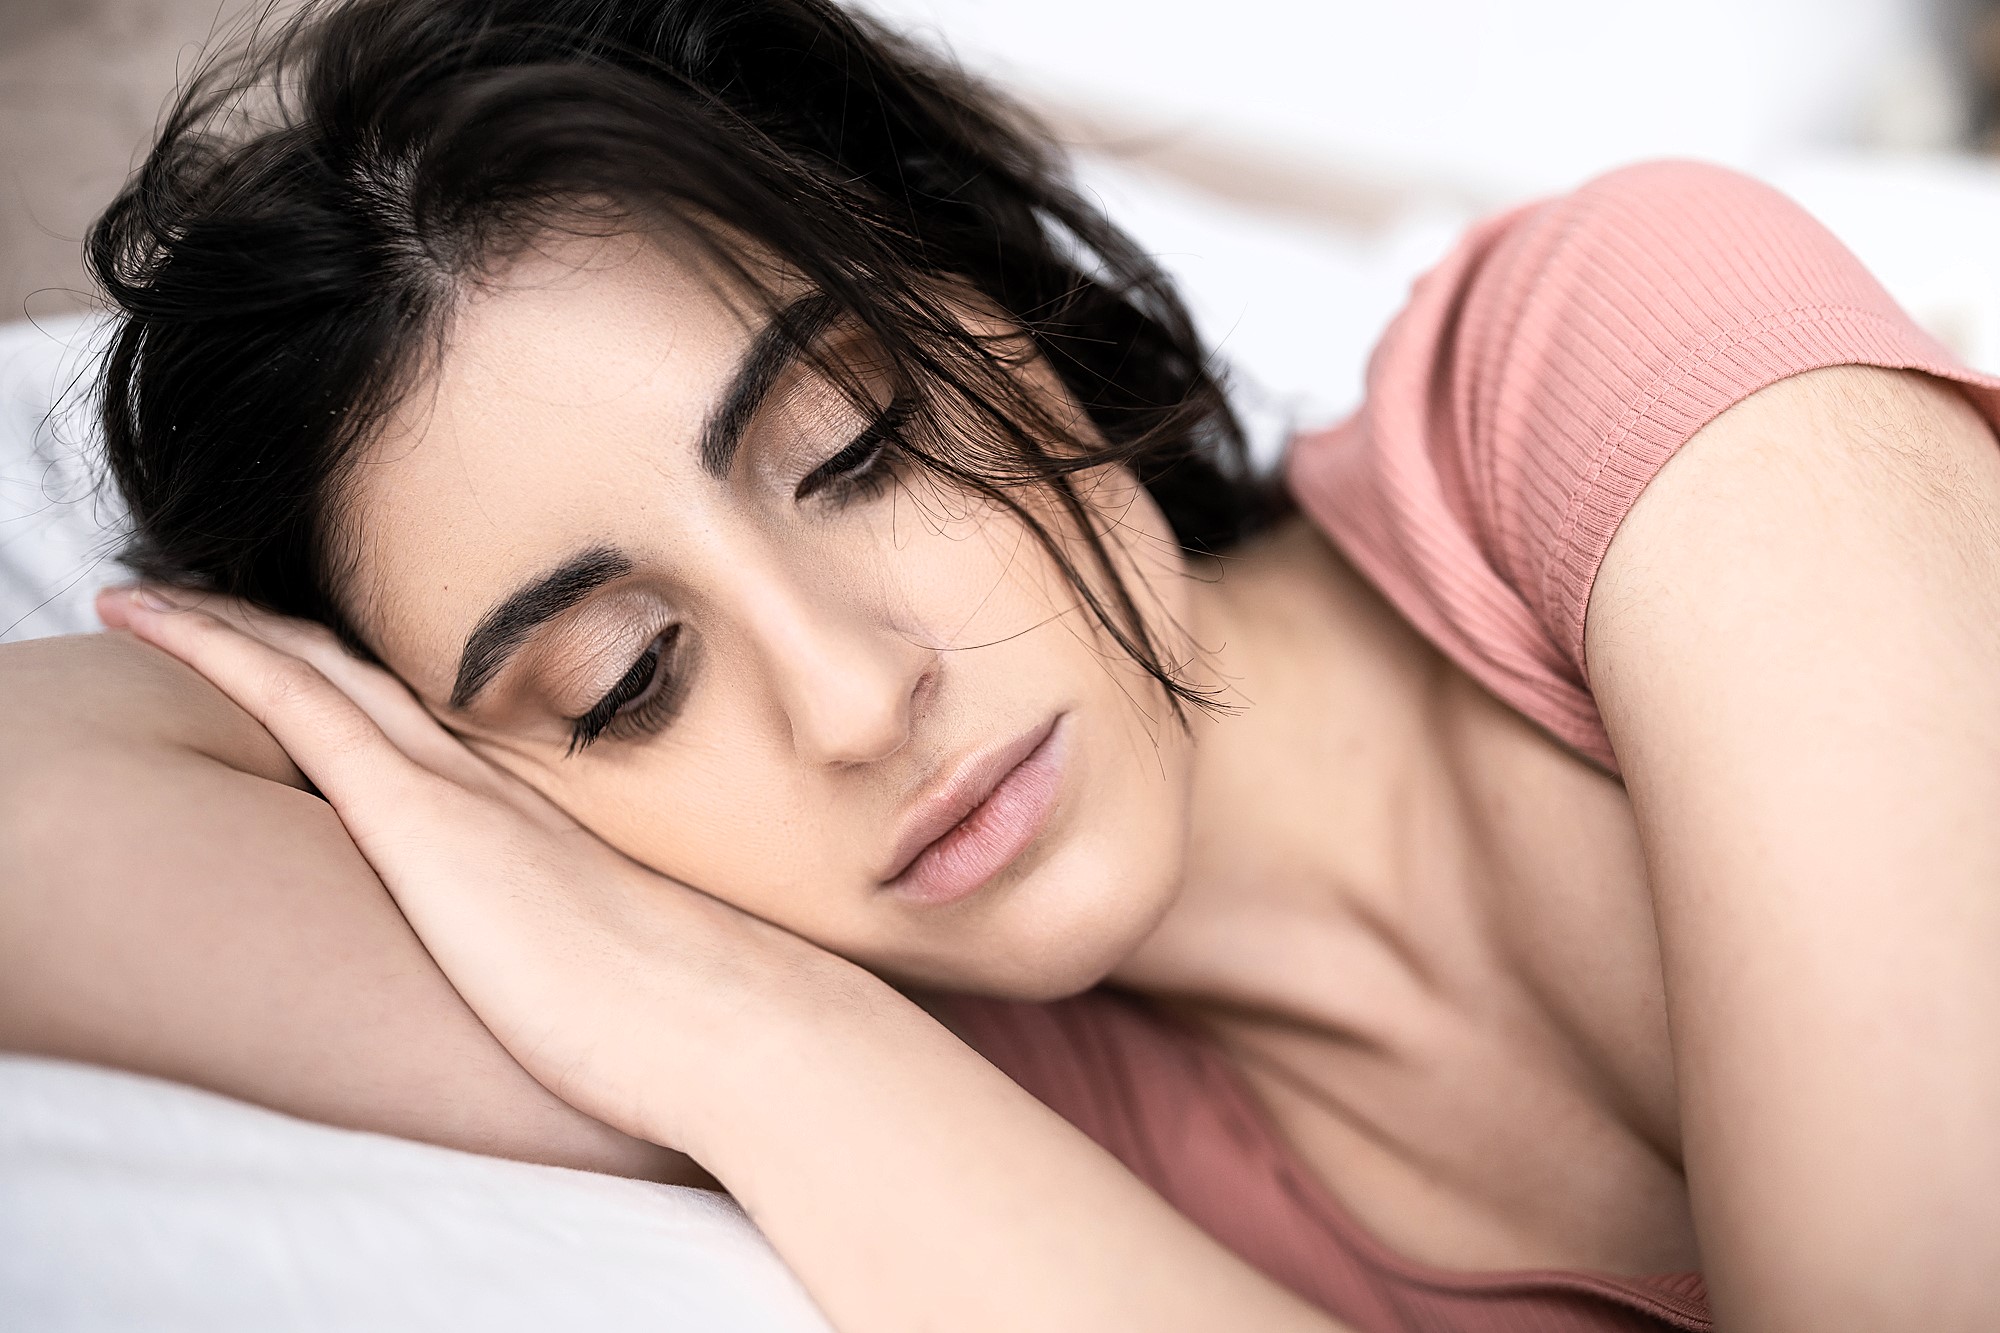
<point>172,902</point>
<point>911,1185</point>
<point>908,1183</point>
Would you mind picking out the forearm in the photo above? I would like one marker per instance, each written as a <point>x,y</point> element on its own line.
<point>911,1185</point>
<point>164,911</point>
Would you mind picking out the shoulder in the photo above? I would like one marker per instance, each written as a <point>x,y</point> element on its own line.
<point>1647,301</point>
<point>1808,587</point>
<point>1620,237</point>
<point>1853,466</point>
<point>1545,372</point>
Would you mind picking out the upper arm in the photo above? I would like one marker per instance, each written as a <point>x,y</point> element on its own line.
<point>1778,619</point>
<point>1794,641</point>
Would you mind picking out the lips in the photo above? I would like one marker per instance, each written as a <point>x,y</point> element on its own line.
<point>981,819</point>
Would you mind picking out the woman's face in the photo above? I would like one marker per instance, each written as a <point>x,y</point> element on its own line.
<point>692,614</point>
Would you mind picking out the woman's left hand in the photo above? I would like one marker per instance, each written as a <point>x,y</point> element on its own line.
<point>624,992</point>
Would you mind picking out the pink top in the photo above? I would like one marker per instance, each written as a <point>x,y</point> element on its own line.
<point>1537,380</point>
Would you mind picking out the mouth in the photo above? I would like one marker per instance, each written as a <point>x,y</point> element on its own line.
<point>979,822</point>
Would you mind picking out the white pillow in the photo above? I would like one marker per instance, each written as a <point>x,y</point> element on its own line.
<point>133,1203</point>
<point>57,532</point>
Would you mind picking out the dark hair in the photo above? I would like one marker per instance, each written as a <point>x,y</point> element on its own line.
<point>286,257</point>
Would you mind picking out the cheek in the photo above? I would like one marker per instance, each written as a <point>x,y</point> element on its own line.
<point>728,816</point>
<point>722,802</point>
<point>962,571</point>
<point>972,573</point>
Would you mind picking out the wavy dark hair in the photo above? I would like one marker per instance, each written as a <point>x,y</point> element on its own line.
<point>286,259</point>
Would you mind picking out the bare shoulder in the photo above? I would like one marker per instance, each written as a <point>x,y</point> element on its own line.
<point>1917,425</point>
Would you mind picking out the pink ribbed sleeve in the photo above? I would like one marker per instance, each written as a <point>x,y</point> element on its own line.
<point>1544,373</point>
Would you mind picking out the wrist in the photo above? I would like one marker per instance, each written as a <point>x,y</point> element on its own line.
<point>805,1024</point>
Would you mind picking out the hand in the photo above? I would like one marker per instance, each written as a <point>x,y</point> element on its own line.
<point>619,989</point>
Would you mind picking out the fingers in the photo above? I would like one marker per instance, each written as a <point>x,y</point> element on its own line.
<point>329,736</point>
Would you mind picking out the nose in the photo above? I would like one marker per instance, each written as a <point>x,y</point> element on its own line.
<point>846,677</point>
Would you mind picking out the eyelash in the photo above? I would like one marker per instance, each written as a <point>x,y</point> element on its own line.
<point>644,697</point>
<point>865,466</point>
<point>647,695</point>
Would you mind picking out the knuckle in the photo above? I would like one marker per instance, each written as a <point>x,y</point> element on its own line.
<point>198,625</point>
<point>290,683</point>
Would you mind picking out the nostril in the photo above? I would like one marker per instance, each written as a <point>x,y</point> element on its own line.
<point>853,694</point>
<point>925,689</point>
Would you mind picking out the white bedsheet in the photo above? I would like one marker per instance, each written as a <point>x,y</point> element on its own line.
<point>133,1203</point>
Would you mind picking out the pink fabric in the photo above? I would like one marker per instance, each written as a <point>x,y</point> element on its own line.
<point>1545,372</point>
<point>1538,379</point>
<point>1168,1103</point>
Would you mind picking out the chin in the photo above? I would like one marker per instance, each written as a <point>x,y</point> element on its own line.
<point>1067,924</point>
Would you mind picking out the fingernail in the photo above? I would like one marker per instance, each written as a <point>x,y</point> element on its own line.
<point>108,604</point>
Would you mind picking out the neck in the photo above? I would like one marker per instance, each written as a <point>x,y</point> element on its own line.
<point>1304,800</point>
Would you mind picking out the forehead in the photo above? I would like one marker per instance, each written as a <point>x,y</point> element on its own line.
<point>564,409</point>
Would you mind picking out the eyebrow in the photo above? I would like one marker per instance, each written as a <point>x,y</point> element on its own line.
<point>792,329</point>
<point>502,631</point>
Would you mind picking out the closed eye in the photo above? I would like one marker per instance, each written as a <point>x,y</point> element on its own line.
<point>641,700</point>
<point>859,464</point>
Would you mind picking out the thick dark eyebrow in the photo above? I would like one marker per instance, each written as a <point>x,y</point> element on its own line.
<point>776,346</point>
<point>507,626</point>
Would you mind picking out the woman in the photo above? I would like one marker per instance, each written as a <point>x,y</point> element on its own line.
<point>770,593</point>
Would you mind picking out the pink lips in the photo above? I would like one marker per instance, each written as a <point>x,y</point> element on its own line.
<point>984,816</point>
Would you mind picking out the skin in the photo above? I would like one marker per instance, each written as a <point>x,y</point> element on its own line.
<point>840,656</point>
<point>665,1011</point>
<point>1428,934</point>
<point>1811,729</point>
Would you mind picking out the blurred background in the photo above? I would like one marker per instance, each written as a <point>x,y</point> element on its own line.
<point>1496,97</point>
<point>1329,110</point>
<point>1388,126</point>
